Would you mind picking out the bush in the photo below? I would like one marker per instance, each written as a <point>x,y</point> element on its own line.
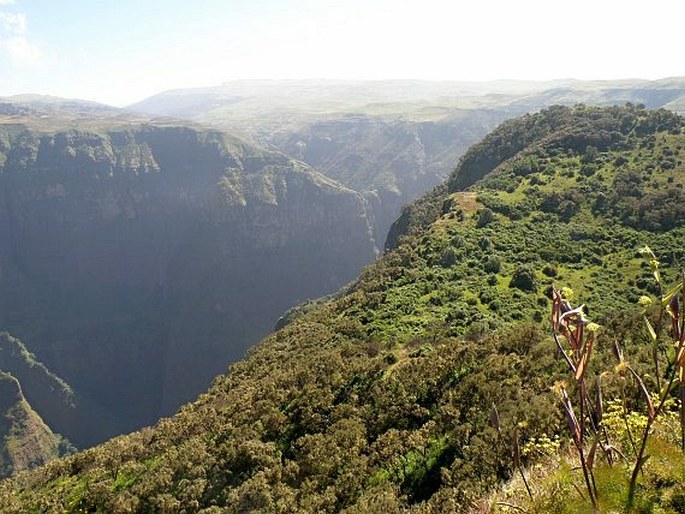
<point>492,265</point>
<point>524,279</point>
<point>449,257</point>
<point>550,270</point>
<point>485,217</point>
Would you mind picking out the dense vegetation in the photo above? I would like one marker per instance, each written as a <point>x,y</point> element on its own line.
<point>378,400</point>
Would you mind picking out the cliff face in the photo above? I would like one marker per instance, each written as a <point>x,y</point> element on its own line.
<point>391,161</point>
<point>137,262</point>
<point>50,395</point>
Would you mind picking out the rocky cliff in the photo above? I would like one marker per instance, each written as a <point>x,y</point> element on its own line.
<point>390,161</point>
<point>137,260</point>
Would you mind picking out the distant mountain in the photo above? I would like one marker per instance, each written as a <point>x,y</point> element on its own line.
<point>283,103</point>
<point>43,112</point>
<point>389,140</point>
<point>379,399</point>
<point>137,258</point>
<point>390,161</point>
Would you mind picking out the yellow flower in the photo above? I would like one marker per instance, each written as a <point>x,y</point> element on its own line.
<point>567,292</point>
<point>621,368</point>
<point>645,301</point>
<point>558,387</point>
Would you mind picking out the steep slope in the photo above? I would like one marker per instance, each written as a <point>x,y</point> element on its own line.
<point>25,440</point>
<point>390,161</point>
<point>137,259</point>
<point>378,400</point>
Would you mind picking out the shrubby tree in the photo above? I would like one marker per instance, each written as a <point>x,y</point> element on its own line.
<point>524,279</point>
<point>485,217</point>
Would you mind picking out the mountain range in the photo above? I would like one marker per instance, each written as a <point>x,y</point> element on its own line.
<point>379,399</point>
<point>389,140</point>
<point>141,255</point>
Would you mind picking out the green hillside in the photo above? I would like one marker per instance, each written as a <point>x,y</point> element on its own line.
<point>378,400</point>
<point>25,440</point>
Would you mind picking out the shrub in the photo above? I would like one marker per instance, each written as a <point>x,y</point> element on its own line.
<point>524,279</point>
<point>492,265</point>
<point>485,217</point>
<point>550,270</point>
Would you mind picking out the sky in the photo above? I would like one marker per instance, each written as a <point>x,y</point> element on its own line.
<point>122,51</point>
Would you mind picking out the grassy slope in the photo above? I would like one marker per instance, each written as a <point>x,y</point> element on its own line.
<point>378,400</point>
<point>27,441</point>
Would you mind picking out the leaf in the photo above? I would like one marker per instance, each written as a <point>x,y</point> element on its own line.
<point>577,312</point>
<point>618,353</point>
<point>591,455</point>
<point>556,308</point>
<point>651,329</point>
<point>517,449</point>
<point>670,294</point>
<point>494,419</point>
<point>572,421</point>
<point>654,264</point>
<point>563,352</point>
<point>646,250</point>
<point>599,404</point>
<point>579,334</point>
<point>585,358</point>
<point>645,395</point>
<point>673,307</point>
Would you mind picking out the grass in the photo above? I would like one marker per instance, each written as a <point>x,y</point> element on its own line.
<point>556,485</point>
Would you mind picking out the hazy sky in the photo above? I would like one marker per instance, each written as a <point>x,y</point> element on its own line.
<point>121,51</point>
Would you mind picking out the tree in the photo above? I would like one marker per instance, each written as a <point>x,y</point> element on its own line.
<point>524,278</point>
<point>485,217</point>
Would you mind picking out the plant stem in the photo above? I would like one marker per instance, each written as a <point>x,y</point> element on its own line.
<point>625,420</point>
<point>655,357</point>
<point>645,437</point>
<point>638,464</point>
<point>586,474</point>
<point>525,482</point>
<point>682,417</point>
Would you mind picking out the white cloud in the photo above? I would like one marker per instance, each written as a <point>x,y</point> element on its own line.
<point>13,41</point>
<point>21,52</point>
<point>6,2</point>
<point>14,23</point>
